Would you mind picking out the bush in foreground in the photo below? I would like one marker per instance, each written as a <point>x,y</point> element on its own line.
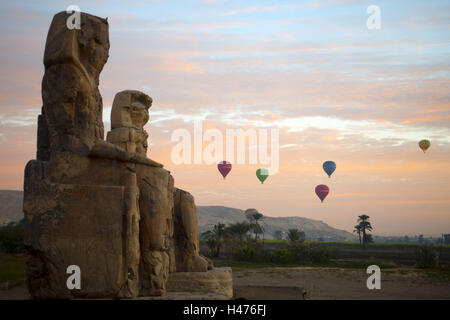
<point>294,253</point>
<point>426,256</point>
<point>11,238</point>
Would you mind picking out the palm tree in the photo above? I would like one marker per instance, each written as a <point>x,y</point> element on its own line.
<point>365,225</point>
<point>257,230</point>
<point>238,230</point>
<point>215,237</point>
<point>358,231</point>
<point>254,218</point>
<point>210,242</point>
<point>295,235</point>
<point>368,238</point>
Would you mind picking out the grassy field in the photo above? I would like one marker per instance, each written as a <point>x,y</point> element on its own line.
<point>12,270</point>
<point>399,253</point>
<point>440,274</point>
<point>335,279</point>
<point>354,244</point>
<point>338,263</point>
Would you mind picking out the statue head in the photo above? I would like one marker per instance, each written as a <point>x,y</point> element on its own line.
<point>130,109</point>
<point>72,103</point>
<point>86,47</point>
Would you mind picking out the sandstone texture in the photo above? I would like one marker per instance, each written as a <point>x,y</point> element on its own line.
<point>218,280</point>
<point>156,227</point>
<point>129,114</point>
<point>103,206</point>
<point>79,210</point>
<point>168,225</point>
<point>185,239</point>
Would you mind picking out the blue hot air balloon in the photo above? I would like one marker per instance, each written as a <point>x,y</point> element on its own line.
<point>329,167</point>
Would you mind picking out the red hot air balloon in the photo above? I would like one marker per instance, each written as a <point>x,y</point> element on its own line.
<point>224,168</point>
<point>322,191</point>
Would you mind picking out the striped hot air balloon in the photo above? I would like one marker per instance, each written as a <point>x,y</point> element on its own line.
<point>322,191</point>
<point>424,145</point>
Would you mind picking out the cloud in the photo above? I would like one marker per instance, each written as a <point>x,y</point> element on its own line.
<point>415,202</point>
<point>313,70</point>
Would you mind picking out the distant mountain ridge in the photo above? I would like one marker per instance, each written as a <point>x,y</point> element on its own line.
<point>11,203</point>
<point>314,229</point>
<point>11,211</point>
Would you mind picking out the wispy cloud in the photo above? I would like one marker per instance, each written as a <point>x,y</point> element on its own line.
<point>312,69</point>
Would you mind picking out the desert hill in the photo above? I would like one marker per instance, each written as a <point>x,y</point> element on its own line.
<point>11,210</point>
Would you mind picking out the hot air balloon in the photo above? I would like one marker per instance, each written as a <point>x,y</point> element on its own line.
<point>262,174</point>
<point>322,191</point>
<point>424,145</point>
<point>250,212</point>
<point>329,167</point>
<point>252,215</point>
<point>224,168</point>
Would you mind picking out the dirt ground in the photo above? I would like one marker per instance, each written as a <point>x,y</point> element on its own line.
<point>297,283</point>
<point>17,293</point>
<point>335,283</point>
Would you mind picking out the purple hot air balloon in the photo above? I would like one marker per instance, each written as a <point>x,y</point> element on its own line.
<point>224,168</point>
<point>322,191</point>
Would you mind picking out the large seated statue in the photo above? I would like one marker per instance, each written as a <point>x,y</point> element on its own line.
<point>160,215</point>
<point>103,206</point>
<point>80,199</point>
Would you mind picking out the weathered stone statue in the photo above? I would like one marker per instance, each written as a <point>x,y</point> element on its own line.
<point>73,60</point>
<point>103,206</point>
<point>185,238</point>
<point>158,210</point>
<point>80,199</point>
<point>129,114</point>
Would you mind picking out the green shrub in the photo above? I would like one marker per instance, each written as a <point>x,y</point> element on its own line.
<point>281,256</point>
<point>11,238</point>
<point>426,256</point>
<point>265,256</point>
<point>12,270</point>
<point>245,254</point>
<point>322,255</point>
<point>299,252</point>
<point>304,253</point>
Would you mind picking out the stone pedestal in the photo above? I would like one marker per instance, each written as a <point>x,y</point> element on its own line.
<point>94,227</point>
<point>217,281</point>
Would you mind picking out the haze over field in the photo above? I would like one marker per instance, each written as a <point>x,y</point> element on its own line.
<point>335,90</point>
<point>11,211</point>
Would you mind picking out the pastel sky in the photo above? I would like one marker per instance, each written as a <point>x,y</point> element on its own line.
<point>335,89</point>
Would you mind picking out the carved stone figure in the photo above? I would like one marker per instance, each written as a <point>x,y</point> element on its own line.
<point>103,206</point>
<point>185,239</point>
<point>129,114</point>
<point>80,199</point>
